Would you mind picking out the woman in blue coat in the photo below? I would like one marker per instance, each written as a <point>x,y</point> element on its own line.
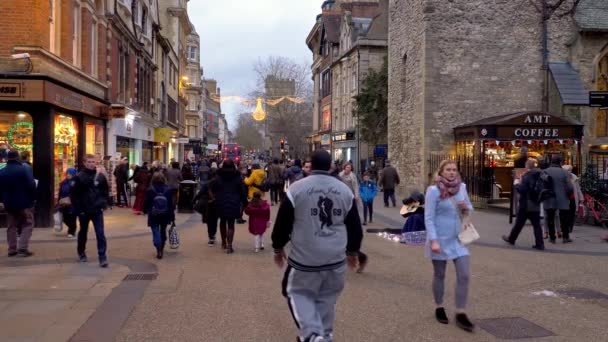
<point>160,212</point>
<point>368,191</point>
<point>67,211</point>
<point>445,203</point>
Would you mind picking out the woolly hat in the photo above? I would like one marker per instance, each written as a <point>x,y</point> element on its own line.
<point>71,171</point>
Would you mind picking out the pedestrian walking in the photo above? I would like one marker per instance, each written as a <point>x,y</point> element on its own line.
<point>368,190</point>
<point>258,211</point>
<point>307,168</point>
<point>529,206</point>
<point>187,173</point>
<point>142,179</point>
<point>64,203</point>
<point>18,193</point>
<point>228,190</point>
<point>576,197</point>
<point>562,188</point>
<point>90,193</point>
<point>275,178</point>
<point>446,201</point>
<point>320,219</point>
<point>159,208</point>
<point>121,174</point>
<point>255,180</point>
<point>205,202</point>
<point>174,177</point>
<point>389,179</point>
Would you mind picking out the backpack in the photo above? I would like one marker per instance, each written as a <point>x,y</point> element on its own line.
<point>543,188</point>
<point>160,205</point>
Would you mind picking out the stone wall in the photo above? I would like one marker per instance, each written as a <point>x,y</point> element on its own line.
<point>406,90</point>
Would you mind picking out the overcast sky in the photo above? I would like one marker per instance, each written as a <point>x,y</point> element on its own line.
<point>235,33</point>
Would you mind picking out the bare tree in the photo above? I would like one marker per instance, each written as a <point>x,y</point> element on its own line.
<point>247,133</point>
<point>287,119</point>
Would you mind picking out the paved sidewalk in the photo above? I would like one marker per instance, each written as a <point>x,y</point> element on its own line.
<point>50,301</point>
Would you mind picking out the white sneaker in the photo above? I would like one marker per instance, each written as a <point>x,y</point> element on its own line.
<point>70,236</point>
<point>256,250</point>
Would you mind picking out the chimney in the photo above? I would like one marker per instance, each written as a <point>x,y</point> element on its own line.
<point>218,92</point>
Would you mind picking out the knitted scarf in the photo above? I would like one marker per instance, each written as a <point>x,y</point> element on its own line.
<point>448,188</point>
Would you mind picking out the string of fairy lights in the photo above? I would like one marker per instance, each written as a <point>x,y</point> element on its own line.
<point>258,114</point>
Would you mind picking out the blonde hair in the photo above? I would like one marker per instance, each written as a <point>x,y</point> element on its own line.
<point>567,168</point>
<point>531,163</point>
<point>443,164</point>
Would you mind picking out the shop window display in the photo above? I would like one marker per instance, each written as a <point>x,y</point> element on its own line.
<point>95,140</point>
<point>16,132</point>
<point>66,146</point>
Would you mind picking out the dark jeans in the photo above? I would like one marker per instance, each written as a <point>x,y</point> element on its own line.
<point>70,222</point>
<point>389,193</point>
<point>522,217</point>
<point>121,193</point>
<point>571,217</point>
<point>97,220</point>
<point>368,206</point>
<point>563,221</point>
<point>275,190</point>
<point>159,235</point>
<point>211,223</point>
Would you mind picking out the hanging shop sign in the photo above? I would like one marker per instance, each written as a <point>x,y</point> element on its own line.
<point>9,89</point>
<point>343,136</point>
<point>20,136</point>
<point>162,135</point>
<point>326,139</point>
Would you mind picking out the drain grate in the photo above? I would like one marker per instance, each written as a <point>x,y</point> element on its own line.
<point>583,293</point>
<point>140,276</point>
<point>513,328</point>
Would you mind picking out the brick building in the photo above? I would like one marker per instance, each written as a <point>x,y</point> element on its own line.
<point>54,87</point>
<point>454,63</point>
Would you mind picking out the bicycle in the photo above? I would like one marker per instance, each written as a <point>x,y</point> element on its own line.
<point>593,210</point>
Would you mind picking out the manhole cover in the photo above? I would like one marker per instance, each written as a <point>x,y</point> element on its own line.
<point>583,293</point>
<point>140,276</point>
<point>513,328</point>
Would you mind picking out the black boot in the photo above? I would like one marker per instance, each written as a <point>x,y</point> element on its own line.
<point>441,316</point>
<point>159,253</point>
<point>462,321</point>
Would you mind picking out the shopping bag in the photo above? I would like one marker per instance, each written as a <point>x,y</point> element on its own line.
<point>173,237</point>
<point>58,221</point>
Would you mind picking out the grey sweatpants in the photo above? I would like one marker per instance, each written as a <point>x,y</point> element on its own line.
<point>312,297</point>
<point>463,273</point>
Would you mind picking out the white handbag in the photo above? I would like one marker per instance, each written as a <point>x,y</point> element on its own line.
<point>58,221</point>
<point>468,233</point>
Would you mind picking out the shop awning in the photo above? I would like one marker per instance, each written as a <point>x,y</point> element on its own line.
<point>521,126</point>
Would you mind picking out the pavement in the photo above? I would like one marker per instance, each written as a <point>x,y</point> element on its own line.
<point>202,294</point>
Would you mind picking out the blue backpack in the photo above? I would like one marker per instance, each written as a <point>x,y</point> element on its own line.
<point>160,205</point>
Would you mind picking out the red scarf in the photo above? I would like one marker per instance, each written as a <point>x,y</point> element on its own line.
<point>447,188</point>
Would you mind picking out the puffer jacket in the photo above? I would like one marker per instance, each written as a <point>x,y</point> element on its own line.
<point>254,182</point>
<point>228,189</point>
<point>368,191</point>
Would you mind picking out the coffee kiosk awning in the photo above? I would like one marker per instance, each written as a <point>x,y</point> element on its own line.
<point>521,126</point>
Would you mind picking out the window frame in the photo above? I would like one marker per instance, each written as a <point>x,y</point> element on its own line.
<point>77,34</point>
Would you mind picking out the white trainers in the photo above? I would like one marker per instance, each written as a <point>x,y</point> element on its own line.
<point>70,236</point>
<point>256,250</point>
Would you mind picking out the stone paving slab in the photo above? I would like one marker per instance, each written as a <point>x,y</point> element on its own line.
<point>51,301</point>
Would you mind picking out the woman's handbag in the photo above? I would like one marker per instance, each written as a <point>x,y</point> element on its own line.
<point>58,221</point>
<point>65,202</point>
<point>173,237</point>
<point>468,233</point>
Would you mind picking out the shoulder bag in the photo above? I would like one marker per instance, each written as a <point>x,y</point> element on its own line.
<point>468,233</point>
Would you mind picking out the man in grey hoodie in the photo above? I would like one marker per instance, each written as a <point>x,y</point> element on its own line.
<point>320,218</point>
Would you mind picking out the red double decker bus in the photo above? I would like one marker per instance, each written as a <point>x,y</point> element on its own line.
<point>232,151</point>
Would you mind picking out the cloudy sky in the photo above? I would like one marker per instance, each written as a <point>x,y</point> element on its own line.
<point>235,33</point>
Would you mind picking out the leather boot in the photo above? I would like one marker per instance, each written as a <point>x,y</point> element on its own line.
<point>230,238</point>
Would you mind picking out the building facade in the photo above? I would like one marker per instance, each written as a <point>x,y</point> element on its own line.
<point>213,110</point>
<point>54,81</point>
<point>457,62</point>
<point>193,88</point>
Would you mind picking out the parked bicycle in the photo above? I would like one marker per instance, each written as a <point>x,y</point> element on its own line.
<point>593,211</point>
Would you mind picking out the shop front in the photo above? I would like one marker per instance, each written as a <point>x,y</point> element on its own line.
<point>57,124</point>
<point>131,138</point>
<point>162,138</point>
<point>344,146</point>
<point>494,145</point>
<point>326,142</point>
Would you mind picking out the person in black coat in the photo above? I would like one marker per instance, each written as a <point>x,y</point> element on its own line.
<point>18,193</point>
<point>529,209</point>
<point>228,189</point>
<point>158,223</point>
<point>205,202</point>
<point>121,173</point>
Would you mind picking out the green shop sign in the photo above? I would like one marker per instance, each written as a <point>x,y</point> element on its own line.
<point>11,136</point>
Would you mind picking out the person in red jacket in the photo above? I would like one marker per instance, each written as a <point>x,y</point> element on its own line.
<point>258,211</point>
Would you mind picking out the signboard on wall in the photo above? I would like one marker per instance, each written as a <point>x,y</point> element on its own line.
<point>598,99</point>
